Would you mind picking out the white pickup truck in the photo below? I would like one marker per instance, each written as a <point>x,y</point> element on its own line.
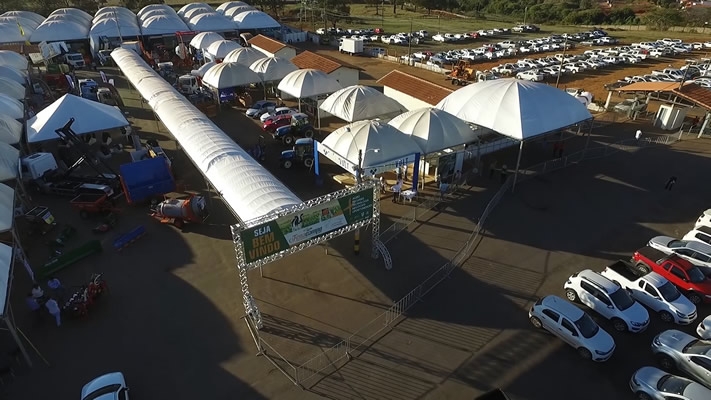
<point>653,291</point>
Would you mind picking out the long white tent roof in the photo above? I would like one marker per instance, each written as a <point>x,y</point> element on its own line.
<point>248,189</point>
<point>12,89</point>
<point>11,107</point>
<point>515,108</point>
<point>212,21</point>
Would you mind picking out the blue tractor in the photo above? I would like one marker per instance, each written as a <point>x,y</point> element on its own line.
<point>299,127</point>
<point>302,153</point>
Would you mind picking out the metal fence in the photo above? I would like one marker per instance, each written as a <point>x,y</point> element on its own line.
<point>330,359</point>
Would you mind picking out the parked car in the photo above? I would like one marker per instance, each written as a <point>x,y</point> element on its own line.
<point>260,107</point>
<point>705,218</point>
<point>573,326</point>
<point>684,275</point>
<point>531,75</point>
<point>695,252</point>
<point>272,124</point>
<point>653,291</point>
<point>277,112</point>
<point>607,299</point>
<point>679,351</point>
<point>650,383</point>
<point>704,329</point>
<point>111,386</point>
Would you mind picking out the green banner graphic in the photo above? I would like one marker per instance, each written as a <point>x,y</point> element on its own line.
<point>290,230</point>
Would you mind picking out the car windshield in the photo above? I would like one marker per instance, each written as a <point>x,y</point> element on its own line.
<point>102,391</point>
<point>75,57</point>
<point>695,275</point>
<point>675,244</point>
<point>587,327</point>
<point>672,384</point>
<point>669,292</point>
<point>697,346</point>
<point>622,299</point>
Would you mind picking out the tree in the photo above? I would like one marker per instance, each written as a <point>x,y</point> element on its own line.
<point>663,18</point>
<point>273,6</point>
<point>336,11</point>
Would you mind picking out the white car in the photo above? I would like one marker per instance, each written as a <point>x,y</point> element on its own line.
<point>260,107</point>
<point>573,326</point>
<point>699,234</point>
<point>111,386</point>
<point>650,383</point>
<point>608,300</point>
<point>695,252</point>
<point>704,329</point>
<point>679,351</point>
<point>439,38</point>
<point>277,112</point>
<point>705,218</point>
<point>531,75</point>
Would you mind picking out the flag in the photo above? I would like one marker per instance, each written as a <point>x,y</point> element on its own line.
<point>103,76</point>
<point>22,31</point>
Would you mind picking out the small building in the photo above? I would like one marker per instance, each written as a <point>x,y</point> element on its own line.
<point>346,74</point>
<point>411,91</point>
<point>272,47</point>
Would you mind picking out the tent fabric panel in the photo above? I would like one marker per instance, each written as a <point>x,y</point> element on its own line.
<point>247,188</point>
<point>9,160</point>
<point>10,129</point>
<point>305,83</point>
<point>7,207</point>
<point>6,261</point>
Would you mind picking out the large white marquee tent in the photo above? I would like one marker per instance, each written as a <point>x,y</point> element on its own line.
<point>64,24</point>
<point>213,21</point>
<point>14,60</point>
<point>10,129</point>
<point>433,129</point>
<point>18,26</point>
<point>255,19</point>
<point>113,23</point>
<point>248,189</point>
<point>160,20</point>
<point>358,103</point>
<point>229,75</point>
<point>12,89</point>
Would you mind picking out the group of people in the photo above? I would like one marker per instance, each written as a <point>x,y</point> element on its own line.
<point>37,299</point>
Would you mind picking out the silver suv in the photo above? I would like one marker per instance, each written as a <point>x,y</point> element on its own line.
<point>677,350</point>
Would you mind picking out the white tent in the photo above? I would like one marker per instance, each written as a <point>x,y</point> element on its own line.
<point>203,69</point>
<point>254,19</point>
<point>12,89</point>
<point>231,12</point>
<point>12,74</point>
<point>229,75</point>
<point>272,69</point>
<point>66,17</point>
<point>192,6</point>
<point>59,31</point>
<point>162,25</point>
<point>194,12</point>
<point>14,60</point>
<point>24,14</point>
<point>10,33</point>
<point>213,21</point>
<point>22,22</point>
<point>434,129</point>
<point>230,4</point>
<point>515,108</point>
<point>221,48</point>
<point>11,107</point>
<point>306,83</point>
<point>151,7</point>
<point>204,39</point>
<point>358,102</point>
<point>7,205</point>
<point>6,260</point>
<point>114,12</point>
<point>245,55</point>
<point>248,189</point>
<point>73,12</point>
<point>378,143</point>
<point>10,129</point>
<point>158,13</point>
<point>90,116</point>
<point>9,160</point>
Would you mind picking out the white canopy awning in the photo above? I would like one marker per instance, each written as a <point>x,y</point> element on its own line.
<point>245,56</point>
<point>434,129</point>
<point>6,260</point>
<point>12,89</point>
<point>203,69</point>
<point>10,129</point>
<point>272,69</point>
<point>9,160</point>
<point>515,108</point>
<point>378,143</point>
<point>13,60</point>
<point>11,107</point>
<point>229,75</point>
<point>248,189</point>
<point>255,19</point>
<point>12,74</point>
<point>358,103</point>
<point>305,83</point>
<point>204,39</point>
<point>7,207</point>
<point>90,116</point>
<point>221,48</point>
<point>212,21</point>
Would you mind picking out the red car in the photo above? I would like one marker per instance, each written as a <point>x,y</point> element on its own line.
<point>272,124</point>
<point>687,277</point>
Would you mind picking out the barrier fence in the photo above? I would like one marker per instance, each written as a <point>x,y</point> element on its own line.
<point>330,359</point>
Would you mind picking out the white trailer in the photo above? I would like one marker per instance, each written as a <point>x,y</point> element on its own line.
<point>351,46</point>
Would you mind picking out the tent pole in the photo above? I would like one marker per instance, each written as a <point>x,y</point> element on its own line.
<point>518,164</point>
<point>16,338</point>
<point>21,254</point>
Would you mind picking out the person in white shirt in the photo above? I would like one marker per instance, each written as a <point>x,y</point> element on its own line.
<point>54,310</point>
<point>37,291</point>
<point>396,191</point>
<point>638,134</point>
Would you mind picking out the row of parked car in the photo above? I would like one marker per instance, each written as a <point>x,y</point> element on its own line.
<point>696,71</point>
<point>667,278</point>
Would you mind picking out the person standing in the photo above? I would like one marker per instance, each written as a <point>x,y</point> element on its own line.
<point>54,310</point>
<point>396,191</point>
<point>638,134</point>
<point>504,173</point>
<point>37,292</point>
<point>457,178</point>
<point>404,172</point>
<point>56,286</point>
<point>670,183</point>
<point>442,190</point>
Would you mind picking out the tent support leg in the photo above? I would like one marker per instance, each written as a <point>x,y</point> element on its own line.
<point>16,338</point>
<point>518,164</point>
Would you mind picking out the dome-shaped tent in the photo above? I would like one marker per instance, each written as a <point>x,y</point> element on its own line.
<point>203,69</point>
<point>194,12</point>
<point>10,129</point>
<point>229,75</point>
<point>434,129</point>
<point>254,19</point>
<point>25,23</point>
<point>221,48</point>
<point>230,4</point>
<point>15,60</point>
<point>9,33</point>
<point>152,7</point>
<point>204,39</point>
<point>231,12</point>
<point>162,25</point>
<point>58,31</point>
<point>119,12</point>
<point>75,12</point>
<point>272,69</point>
<point>11,107</point>
<point>24,14</point>
<point>158,13</point>
<point>68,17</point>
<point>191,6</point>
<point>358,103</point>
<point>305,83</point>
<point>245,55</point>
<point>212,21</point>
<point>12,74</point>
<point>12,89</point>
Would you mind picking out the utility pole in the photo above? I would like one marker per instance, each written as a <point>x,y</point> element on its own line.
<point>359,180</point>
<point>409,46</point>
<point>325,20</point>
<point>560,67</point>
<point>525,14</point>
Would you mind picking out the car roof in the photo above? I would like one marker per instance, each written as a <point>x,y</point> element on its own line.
<point>599,280</point>
<point>655,279</point>
<point>563,307</point>
<point>283,108</point>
